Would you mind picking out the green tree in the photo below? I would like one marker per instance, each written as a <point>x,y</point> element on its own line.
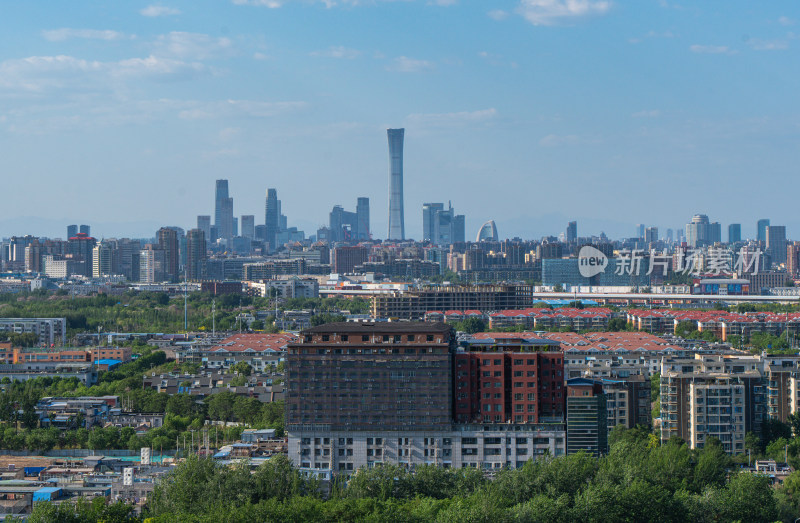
<point>220,405</point>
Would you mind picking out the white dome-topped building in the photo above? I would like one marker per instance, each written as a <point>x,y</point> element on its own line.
<point>487,232</point>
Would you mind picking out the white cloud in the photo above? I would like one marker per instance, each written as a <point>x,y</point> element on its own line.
<point>229,133</point>
<point>652,113</point>
<point>711,49</point>
<point>444,3</point>
<point>553,12</point>
<point>786,21</point>
<point>194,46</point>
<point>37,74</point>
<point>555,140</point>
<point>238,108</point>
<point>403,64</point>
<point>59,35</point>
<point>498,14</point>
<point>260,56</point>
<point>154,66</point>
<point>452,119</point>
<point>159,10</point>
<point>338,51</point>
<point>272,4</point>
<point>767,45</point>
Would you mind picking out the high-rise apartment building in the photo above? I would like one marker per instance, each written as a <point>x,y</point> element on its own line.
<point>509,380</point>
<point>195,254</point>
<point>587,417</point>
<point>362,394</point>
<point>776,243</point>
<point>248,226</point>
<point>712,397</point>
<point>793,259</point>
<point>33,257</point>
<point>168,243</point>
<point>272,218</point>
<point>734,232</point>
<point>344,259</point>
<point>101,260</point>
<point>151,264</point>
<point>80,248</point>
<point>761,229</point>
<point>397,229</point>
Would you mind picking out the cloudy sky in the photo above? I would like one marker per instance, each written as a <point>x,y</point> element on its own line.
<point>528,112</point>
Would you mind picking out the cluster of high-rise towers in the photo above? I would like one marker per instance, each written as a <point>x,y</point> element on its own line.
<point>440,225</point>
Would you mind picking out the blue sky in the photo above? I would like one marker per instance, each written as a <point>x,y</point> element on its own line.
<point>528,112</point>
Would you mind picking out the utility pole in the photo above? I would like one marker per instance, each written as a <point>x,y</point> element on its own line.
<point>185,306</point>
<point>213,317</point>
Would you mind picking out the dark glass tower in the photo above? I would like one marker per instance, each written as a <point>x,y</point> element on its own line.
<point>272,218</point>
<point>397,229</point>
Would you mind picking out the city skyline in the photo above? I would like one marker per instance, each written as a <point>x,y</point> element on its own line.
<point>178,95</point>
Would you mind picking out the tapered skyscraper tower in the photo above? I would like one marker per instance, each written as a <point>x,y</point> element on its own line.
<point>397,229</point>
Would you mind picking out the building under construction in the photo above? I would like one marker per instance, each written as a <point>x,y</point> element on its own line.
<point>413,304</point>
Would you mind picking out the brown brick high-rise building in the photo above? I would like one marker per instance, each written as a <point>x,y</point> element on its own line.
<point>362,376</point>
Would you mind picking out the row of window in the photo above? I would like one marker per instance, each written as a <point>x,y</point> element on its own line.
<point>366,338</point>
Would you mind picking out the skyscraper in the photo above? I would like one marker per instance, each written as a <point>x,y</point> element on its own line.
<point>248,226</point>
<point>428,217</point>
<point>488,231</point>
<point>572,232</point>
<point>72,231</point>
<point>734,232</point>
<point>397,229</point>
<point>272,218</point>
<point>85,229</point>
<point>223,211</point>
<point>101,260</point>
<point>168,242</point>
<point>701,232</point>
<point>195,254</point>
<point>440,226</point>
<point>761,228</point>
<point>362,216</point>
<point>776,243</point>
<point>204,224</point>
<point>650,235</point>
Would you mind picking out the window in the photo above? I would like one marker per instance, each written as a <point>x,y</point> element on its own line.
<point>345,337</point>
<point>498,362</point>
<point>365,338</point>
<point>410,337</point>
<point>326,337</point>
<point>429,337</point>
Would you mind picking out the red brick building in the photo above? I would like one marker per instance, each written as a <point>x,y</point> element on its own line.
<point>501,378</point>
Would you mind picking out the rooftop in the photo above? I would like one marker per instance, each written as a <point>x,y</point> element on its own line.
<point>400,327</point>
